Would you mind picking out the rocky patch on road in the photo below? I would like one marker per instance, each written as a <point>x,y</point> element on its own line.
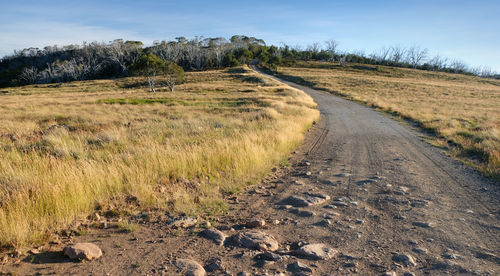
<point>190,267</point>
<point>316,251</point>
<point>83,251</point>
<point>256,240</point>
<point>307,199</point>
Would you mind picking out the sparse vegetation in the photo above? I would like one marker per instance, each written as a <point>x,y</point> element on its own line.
<point>462,111</point>
<point>70,148</point>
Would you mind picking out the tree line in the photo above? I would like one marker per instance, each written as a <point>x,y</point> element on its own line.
<point>120,58</point>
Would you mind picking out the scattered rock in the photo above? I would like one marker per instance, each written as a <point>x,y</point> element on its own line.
<point>190,267</point>
<point>83,251</point>
<point>328,182</point>
<point>349,265</point>
<point>423,224</point>
<point>340,203</point>
<point>443,265</point>
<point>404,259</point>
<point>420,250</point>
<point>270,256</point>
<point>276,222</point>
<point>451,256</point>
<point>215,264</point>
<point>389,273</point>
<point>408,274</point>
<point>254,223</point>
<point>256,240</point>
<point>366,181</point>
<point>401,190</point>
<point>418,203</point>
<point>324,222</point>
<point>298,182</point>
<point>183,222</point>
<point>302,213</point>
<point>308,199</point>
<point>317,251</point>
<point>298,266</point>
<point>343,175</point>
<point>308,173</point>
<point>217,236</point>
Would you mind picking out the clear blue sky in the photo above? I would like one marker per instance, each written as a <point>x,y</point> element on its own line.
<point>466,30</point>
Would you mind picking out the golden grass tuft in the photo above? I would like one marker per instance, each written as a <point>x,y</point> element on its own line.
<point>70,148</point>
<point>462,111</point>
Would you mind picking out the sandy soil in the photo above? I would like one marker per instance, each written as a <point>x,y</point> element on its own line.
<point>386,201</point>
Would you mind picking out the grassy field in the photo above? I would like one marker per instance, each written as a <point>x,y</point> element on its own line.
<point>68,150</point>
<point>462,111</point>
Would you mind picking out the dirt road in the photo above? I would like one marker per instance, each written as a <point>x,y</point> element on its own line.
<point>378,199</point>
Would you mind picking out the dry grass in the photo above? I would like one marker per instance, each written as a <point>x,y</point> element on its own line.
<point>68,149</point>
<point>463,111</point>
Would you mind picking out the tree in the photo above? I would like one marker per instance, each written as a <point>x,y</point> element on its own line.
<point>331,48</point>
<point>174,74</point>
<point>150,66</point>
<point>29,75</point>
<point>398,54</point>
<point>416,55</point>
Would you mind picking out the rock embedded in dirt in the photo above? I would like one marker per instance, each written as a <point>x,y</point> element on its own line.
<point>451,256</point>
<point>215,264</point>
<point>404,259</point>
<point>316,251</point>
<point>302,213</point>
<point>270,256</point>
<point>339,203</point>
<point>217,236</point>
<point>423,224</point>
<point>190,267</point>
<point>298,266</point>
<point>401,190</point>
<point>420,250</point>
<point>254,223</point>
<point>183,222</point>
<point>256,240</point>
<point>343,175</point>
<point>308,199</point>
<point>83,251</point>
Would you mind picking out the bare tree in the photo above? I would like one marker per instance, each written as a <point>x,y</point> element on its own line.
<point>343,61</point>
<point>458,66</point>
<point>331,48</point>
<point>29,74</point>
<point>398,54</point>
<point>438,62</point>
<point>219,47</point>
<point>314,48</point>
<point>416,55</point>
<point>382,55</point>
